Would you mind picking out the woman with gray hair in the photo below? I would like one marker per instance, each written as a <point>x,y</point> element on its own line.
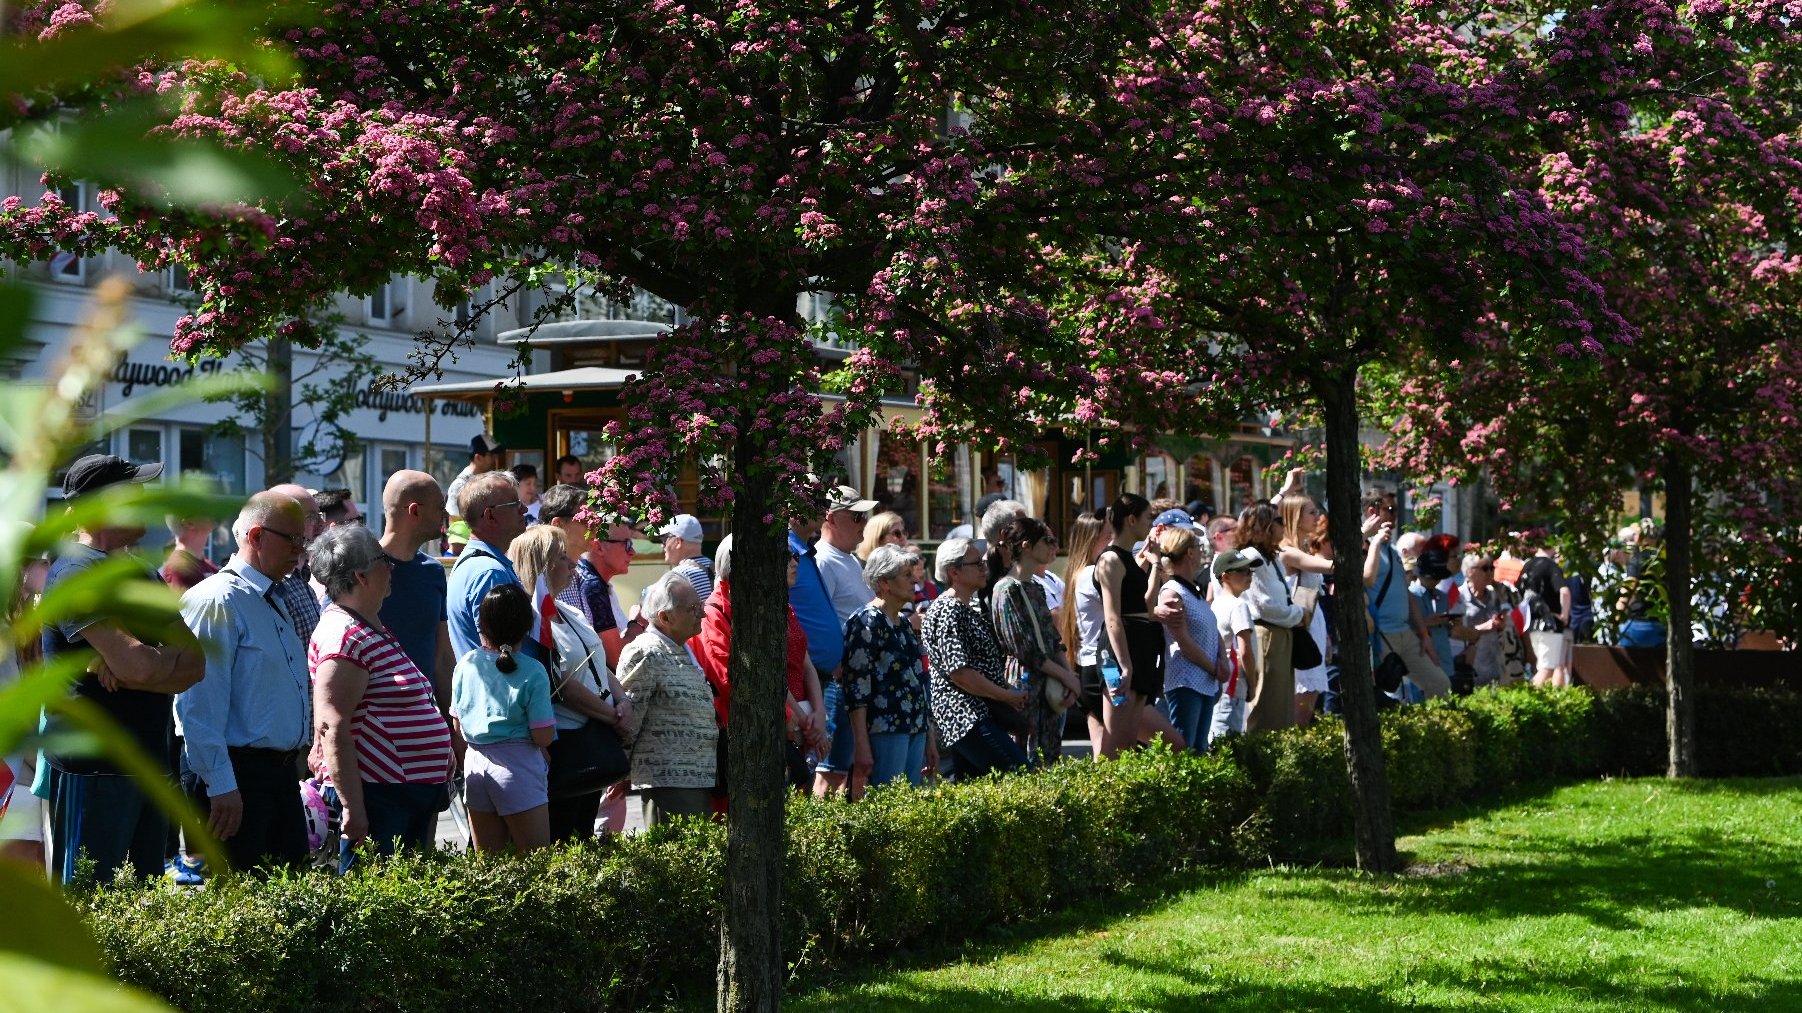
<point>378,734</point>
<point>969,679</point>
<point>885,676</point>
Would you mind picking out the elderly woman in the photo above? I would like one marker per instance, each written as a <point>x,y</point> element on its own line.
<point>805,705</point>
<point>969,679</point>
<point>671,729</point>
<point>885,675</point>
<point>1488,607</point>
<point>378,732</point>
<point>582,688</point>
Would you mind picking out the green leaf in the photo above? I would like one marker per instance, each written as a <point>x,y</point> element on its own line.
<point>36,985</point>
<point>138,31</point>
<point>23,702</point>
<point>121,149</point>
<point>41,926</point>
<point>152,778</point>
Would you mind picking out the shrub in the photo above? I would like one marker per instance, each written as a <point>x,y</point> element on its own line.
<point>626,922</point>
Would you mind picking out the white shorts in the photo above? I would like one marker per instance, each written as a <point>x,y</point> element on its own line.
<point>1548,648</point>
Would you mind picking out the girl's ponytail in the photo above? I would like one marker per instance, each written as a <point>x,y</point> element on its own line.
<point>506,662</point>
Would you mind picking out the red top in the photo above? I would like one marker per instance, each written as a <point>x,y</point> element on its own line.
<point>715,640</point>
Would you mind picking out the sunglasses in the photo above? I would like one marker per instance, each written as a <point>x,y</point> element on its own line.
<point>298,541</point>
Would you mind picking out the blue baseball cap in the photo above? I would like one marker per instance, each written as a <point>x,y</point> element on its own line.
<point>1173,518</point>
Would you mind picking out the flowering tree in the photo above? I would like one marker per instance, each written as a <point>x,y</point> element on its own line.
<point>1320,188</point>
<point>1692,190</point>
<point>727,157</point>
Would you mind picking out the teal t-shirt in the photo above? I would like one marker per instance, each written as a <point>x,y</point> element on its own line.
<point>495,706</point>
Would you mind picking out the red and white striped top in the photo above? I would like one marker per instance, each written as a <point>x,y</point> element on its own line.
<point>401,736</point>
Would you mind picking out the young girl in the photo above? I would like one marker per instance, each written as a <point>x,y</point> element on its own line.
<point>501,702</point>
<point>1232,573</point>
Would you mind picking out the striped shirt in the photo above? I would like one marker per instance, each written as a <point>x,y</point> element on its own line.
<point>401,736</point>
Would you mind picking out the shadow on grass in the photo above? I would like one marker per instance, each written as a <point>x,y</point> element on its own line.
<point>1486,985</point>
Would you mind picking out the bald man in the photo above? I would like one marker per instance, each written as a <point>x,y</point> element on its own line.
<point>415,610</point>
<point>297,591</point>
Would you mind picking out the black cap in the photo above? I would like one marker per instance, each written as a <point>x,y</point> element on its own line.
<point>98,471</point>
<point>484,444</point>
<point>1433,564</point>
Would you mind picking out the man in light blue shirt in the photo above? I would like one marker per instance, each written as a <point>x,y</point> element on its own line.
<point>491,506</point>
<point>1395,615</point>
<point>247,723</point>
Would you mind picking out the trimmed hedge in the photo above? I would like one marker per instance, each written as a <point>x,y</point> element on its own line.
<point>627,922</point>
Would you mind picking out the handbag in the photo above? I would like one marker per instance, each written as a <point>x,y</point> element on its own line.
<point>1304,653</point>
<point>1391,670</point>
<point>585,760</point>
<point>1007,717</point>
<point>1057,696</point>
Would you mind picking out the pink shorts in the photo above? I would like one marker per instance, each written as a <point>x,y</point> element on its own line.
<point>505,778</point>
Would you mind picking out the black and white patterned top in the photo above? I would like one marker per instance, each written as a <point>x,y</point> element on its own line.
<point>957,635</point>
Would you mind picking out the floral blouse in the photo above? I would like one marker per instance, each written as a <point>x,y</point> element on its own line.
<point>958,635</point>
<point>884,673</point>
<point>1024,627</point>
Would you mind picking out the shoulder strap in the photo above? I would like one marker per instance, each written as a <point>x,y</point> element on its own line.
<point>470,553</point>
<point>1388,578</point>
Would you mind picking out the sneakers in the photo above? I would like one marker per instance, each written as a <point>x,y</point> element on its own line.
<point>186,872</point>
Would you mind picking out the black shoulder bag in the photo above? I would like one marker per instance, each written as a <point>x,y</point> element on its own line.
<point>585,760</point>
<point>1392,669</point>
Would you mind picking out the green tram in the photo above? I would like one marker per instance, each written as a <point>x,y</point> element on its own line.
<point>581,366</point>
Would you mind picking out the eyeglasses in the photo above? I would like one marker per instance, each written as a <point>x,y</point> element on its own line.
<point>358,519</point>
<point>897,534</point>
<point>298,541</point>
<point>616,541</point>
<point>968,562</point>
<point>510,503</point>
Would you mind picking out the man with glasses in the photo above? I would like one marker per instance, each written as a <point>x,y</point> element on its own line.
<point>598,561</point>
<point>415,610</point>
<point>1397,625</point>
<point>490,504</point>
<point>247,725</point>
<point>298,594</point>
<point>841,577</point>
<point>96,808</point>
<point>339,508</point>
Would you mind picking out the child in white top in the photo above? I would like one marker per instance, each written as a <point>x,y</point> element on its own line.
<point>1232,575</point>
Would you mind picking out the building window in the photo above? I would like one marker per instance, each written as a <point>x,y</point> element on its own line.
<point>383,305</point>
<point>177,281</point>
<point>67,267</point>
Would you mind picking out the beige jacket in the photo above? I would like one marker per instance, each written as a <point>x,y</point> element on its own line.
<point>671,733</point>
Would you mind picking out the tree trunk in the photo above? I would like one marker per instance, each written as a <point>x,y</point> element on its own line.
<point>278,415</point>
<point>751,967</point>
<point>1680,654</point>
<point>1374,825</point>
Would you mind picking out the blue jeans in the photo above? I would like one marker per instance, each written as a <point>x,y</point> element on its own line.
<point>838,726</point>
<point>985,748</point>
<point>896,755</point>
<point>400,816</point>
<point>1642,633</point>
<point>1189,710</point>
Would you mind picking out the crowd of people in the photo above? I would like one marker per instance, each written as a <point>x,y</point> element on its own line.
<point>515,683</point>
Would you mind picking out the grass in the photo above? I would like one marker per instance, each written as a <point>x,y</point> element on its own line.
<point>1621,895</point>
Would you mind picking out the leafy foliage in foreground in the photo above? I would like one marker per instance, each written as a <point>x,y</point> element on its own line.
<point>626,922</point>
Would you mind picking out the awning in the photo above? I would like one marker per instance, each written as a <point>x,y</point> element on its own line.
<point>583,332</point>
<point>585,378</point>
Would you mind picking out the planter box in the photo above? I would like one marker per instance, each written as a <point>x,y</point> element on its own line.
<point>1617,667</point>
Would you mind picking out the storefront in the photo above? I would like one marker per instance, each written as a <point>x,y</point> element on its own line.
<point>391,428</point>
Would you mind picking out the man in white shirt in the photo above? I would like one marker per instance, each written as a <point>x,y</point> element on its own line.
<point>839,568</point>
<point>842,576</point>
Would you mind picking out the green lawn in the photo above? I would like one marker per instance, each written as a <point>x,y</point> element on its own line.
<point>1625,895</point>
